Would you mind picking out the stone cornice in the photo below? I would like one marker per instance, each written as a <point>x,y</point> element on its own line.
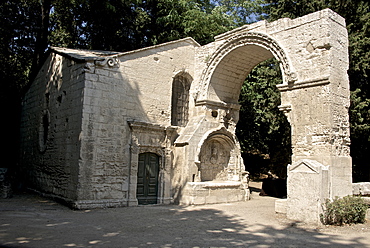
<point>215,104</point>
<point>304,84</point>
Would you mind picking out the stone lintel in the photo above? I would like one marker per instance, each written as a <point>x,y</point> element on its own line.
<point>144,125</point>
<point>214,104</point>
<point>137,125</point>
<point>285,108</point>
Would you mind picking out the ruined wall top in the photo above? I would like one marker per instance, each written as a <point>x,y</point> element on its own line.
<point>310,49</point>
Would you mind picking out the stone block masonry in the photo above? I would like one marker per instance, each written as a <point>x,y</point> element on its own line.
<point>157,125</point>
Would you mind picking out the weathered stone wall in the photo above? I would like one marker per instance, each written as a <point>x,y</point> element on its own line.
<point>103,170</point>
<point>87,99</point>
<point>313,55</point>
<point>94,112</point>
<point>149,74</point>
<point>135,87</point>
<point>49,158</point>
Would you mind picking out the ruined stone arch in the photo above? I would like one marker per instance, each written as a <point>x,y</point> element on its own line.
<point>122,106</point>
<point>230,64</point>
<point>313,56</point>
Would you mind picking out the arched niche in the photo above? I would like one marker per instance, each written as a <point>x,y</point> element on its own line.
<point>218,158</point>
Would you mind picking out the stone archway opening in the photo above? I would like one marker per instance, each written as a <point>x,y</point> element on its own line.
<point>263,130</point>
<point>217,98</point>
<point>233,69</point>
<point>219,165</point>
<point>228,70</point>
<point>314,97</point>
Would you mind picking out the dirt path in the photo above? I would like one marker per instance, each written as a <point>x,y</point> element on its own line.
<point>32,221</point>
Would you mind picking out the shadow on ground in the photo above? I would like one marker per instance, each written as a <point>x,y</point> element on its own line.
<point>31,221</point>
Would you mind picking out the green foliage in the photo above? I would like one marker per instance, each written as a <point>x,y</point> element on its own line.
<point>124,25</point>
<point>186,18</point>
<point>240,11</point>
<point>127,25</point>
<point>28,27</point>
<point>17,44</point>
<point>360,135</point>
<point>346,210</point>
<point>263,130</point>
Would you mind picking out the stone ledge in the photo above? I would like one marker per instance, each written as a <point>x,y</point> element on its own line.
<point>106,203</point>
<point>215,184</point>
<point>200,193</point>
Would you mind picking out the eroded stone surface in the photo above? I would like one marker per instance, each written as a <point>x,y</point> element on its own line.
<point>90,114</point>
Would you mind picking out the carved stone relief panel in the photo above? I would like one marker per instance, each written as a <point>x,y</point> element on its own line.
<point>214,160</point>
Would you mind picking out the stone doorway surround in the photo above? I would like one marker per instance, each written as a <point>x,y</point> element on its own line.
<point>149,138</point>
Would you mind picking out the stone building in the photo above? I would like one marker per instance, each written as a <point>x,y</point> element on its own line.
<point>157,125</point>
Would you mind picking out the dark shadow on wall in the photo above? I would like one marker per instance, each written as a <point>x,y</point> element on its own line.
<point>88,108</point>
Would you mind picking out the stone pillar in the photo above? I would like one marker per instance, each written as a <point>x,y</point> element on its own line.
<point>311,188</point>
<point>317,108</point>
<point>165,178</point>
<point>134,157</point>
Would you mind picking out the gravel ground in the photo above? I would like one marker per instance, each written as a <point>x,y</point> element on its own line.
<point>32,221</point>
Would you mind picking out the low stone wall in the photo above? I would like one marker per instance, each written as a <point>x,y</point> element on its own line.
<point>198,193</point>
<point>361,188</point>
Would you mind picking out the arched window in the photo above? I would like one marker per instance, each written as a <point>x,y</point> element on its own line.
<point>180,101</point>
<point>44,130</point>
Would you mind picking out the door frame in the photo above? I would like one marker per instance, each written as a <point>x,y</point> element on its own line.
<point>160,144</point>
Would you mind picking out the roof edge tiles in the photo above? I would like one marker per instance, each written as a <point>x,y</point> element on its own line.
<point>92,55</point>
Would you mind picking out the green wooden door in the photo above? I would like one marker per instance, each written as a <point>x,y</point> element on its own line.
<point>147,178</point>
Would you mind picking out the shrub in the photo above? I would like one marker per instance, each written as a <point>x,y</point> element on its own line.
<point>346,210</point>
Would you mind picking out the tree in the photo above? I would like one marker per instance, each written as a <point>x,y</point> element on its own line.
<point>242,12</point>
<point>18,31</point>
<point>263,130</point>
<point>28,27</point>
<point>127,25</point>
<point>357,15</point>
